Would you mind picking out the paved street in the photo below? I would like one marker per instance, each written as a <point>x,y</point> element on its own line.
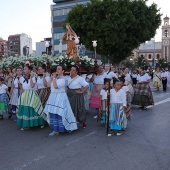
<point>144,146</point>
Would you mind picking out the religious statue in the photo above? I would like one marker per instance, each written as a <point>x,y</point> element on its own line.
<point>69,37</point>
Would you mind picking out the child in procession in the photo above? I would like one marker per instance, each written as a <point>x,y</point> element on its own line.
<point>117,108</point>
<point>4,100</point>
<point>103,101</point>
<point>128,99</point>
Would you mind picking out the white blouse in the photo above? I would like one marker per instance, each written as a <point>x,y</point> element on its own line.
<point>99,79</point>
<point>111,75</point>
<point>25,85</point>
<point>15,82</point>
<point>61,83</point>
<point>127,78</point>
<point>125,88</point>
<point>145,77</point>
<point>3,89</point>
<point>118,97</point>
<point>164,74</point>
<point>77,83</point>
<point>40,82</point>
<point>103,93</point>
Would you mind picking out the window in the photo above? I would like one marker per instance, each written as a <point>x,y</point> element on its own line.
<point>58,35</point>
<point>157,56</point>
<point>142,55</point>
<point>56,47</point>
<point>61,12</point>
<point>149,57</point>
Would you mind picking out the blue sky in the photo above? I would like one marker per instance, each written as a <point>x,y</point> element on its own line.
<point>33,17</point>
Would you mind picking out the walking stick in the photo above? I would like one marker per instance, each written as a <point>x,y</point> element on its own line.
<point>18,86</point>
<point>108,109</point>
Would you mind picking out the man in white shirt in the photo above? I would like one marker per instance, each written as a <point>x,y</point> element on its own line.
<point>164,77</point>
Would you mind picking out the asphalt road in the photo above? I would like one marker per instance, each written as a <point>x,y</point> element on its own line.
<point>145,145</point>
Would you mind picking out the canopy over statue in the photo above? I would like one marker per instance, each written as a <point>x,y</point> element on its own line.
<point>69,37</point>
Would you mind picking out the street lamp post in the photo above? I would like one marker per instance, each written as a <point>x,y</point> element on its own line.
<point>95,45</point>
<point>47,60</point>
<point>153,63</point>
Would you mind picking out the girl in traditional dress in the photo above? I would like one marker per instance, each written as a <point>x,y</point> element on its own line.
<point>4,100</point>
<point>98,81</point>
<point>142,93</point>
<point>127,114</point>
<point>76,87</point>
<point>58,109</point>
<point>117,108</point>
<point>42,80</point>
<point>103,100</point>
<point>157,79</point>
<point>15,91</point>
<point>30,110</point>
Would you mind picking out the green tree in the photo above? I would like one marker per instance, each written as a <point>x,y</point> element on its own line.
<point>128,63</point>
<point>119,26</point>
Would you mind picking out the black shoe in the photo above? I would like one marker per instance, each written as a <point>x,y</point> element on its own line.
<point>10,115</point>
<point>141,108</point>
<point>144,108</point>
<point>1,117</point>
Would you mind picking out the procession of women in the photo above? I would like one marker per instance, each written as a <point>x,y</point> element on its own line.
<point>36,98</point>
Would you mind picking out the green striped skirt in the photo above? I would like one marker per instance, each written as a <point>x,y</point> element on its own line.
<point>30,110</point>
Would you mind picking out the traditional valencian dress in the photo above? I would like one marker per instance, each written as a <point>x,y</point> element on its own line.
<point>97,87</point>
<point>142,92</point>
<point>43,91</point>
<point>58,109</point>
<point>116,117</point>
<point>30,110</point>
<point>127,115</point>
<point>15,95</point>
<point>4,101</point>
<point>77,100</point>
<point>157,79</point>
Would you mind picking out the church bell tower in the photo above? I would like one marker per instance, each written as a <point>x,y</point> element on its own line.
<point>166,39</point>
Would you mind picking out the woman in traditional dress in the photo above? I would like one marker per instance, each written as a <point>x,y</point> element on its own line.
<point>30,110</point>
<point>4,100</point>
<point>98,81</point>
<point>142,93</point>
<point>42,80</point>
<point>157,79</point>
<point>57,108</point>
<point>76,87</point>
<point>117,108</point>
<point>15,91</point>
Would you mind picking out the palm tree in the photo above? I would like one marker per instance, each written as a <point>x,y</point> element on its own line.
<point>141,61</point>
<point>162,63</point>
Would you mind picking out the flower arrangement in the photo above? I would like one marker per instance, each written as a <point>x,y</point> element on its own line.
<point>60,59</point>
